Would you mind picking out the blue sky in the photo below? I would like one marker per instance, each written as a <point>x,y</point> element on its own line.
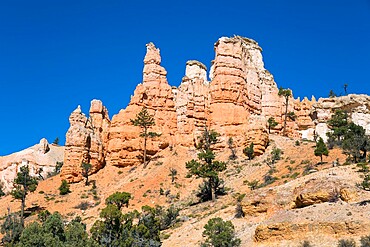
<point>55,55</point>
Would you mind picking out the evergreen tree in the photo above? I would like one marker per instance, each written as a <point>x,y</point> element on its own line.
<point>220,233</point>
<point>86,168</point>
<point>271,123</point>
<point>207,167</point>
<point>338,124</point>
<point>286,93</point>
<point>249,151</point>
<point>23,184</point>
<point>144,120</point>
<point>355,142</point>
<point>64,188</point>
<point>119,199</point>
<point>321,149</point>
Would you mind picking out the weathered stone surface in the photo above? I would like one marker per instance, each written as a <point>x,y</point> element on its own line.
<point>41,158</point>
<point>85,141</point>
<point>286,231</point>
<point>356,105</point>
<point>192,103</point>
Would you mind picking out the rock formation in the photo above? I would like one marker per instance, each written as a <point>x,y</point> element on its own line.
<point>154,93</point>
<point>41,159</point>
<point>357,107</point>
<point>85,141</point>
<point>237,101</point>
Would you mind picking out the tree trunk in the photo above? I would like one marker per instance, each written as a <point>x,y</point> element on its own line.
<point>145,136</point>
<point>87,180</point>
<point>286,115</point>
<point>321,159</point>
<point>213,191</point>
<point>23,204</point>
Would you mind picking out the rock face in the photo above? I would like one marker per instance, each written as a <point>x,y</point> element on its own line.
<point>85,141</point>
<point>41,159</point>
<point>237,101</point>
<point>357,107</point>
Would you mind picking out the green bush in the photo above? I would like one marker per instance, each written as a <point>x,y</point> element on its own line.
<point>64,188</point>
<point>219,233</point>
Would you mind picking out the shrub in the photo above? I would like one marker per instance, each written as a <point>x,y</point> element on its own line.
<point>346,243</point>
<point>64,188</point>
<point>220,233</point>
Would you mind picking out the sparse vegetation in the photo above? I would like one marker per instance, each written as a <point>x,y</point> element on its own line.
<point>23,184</point>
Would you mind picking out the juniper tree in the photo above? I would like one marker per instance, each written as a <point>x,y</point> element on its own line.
<point>23,184</point>
<point>286,93</point>
<point>338,124</point>
<point>206,166</point>
<point>144,120</point>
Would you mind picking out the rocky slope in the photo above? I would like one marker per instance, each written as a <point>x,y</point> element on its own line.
<point>41,159</point>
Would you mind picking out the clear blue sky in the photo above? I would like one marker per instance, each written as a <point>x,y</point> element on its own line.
<point>55,55</point>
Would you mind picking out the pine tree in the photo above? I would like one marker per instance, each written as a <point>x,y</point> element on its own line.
<point>144,120</point>
<point>321,149</point>
<point>207,167</point>
<point>286,93</point>
<point>23,184</point>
